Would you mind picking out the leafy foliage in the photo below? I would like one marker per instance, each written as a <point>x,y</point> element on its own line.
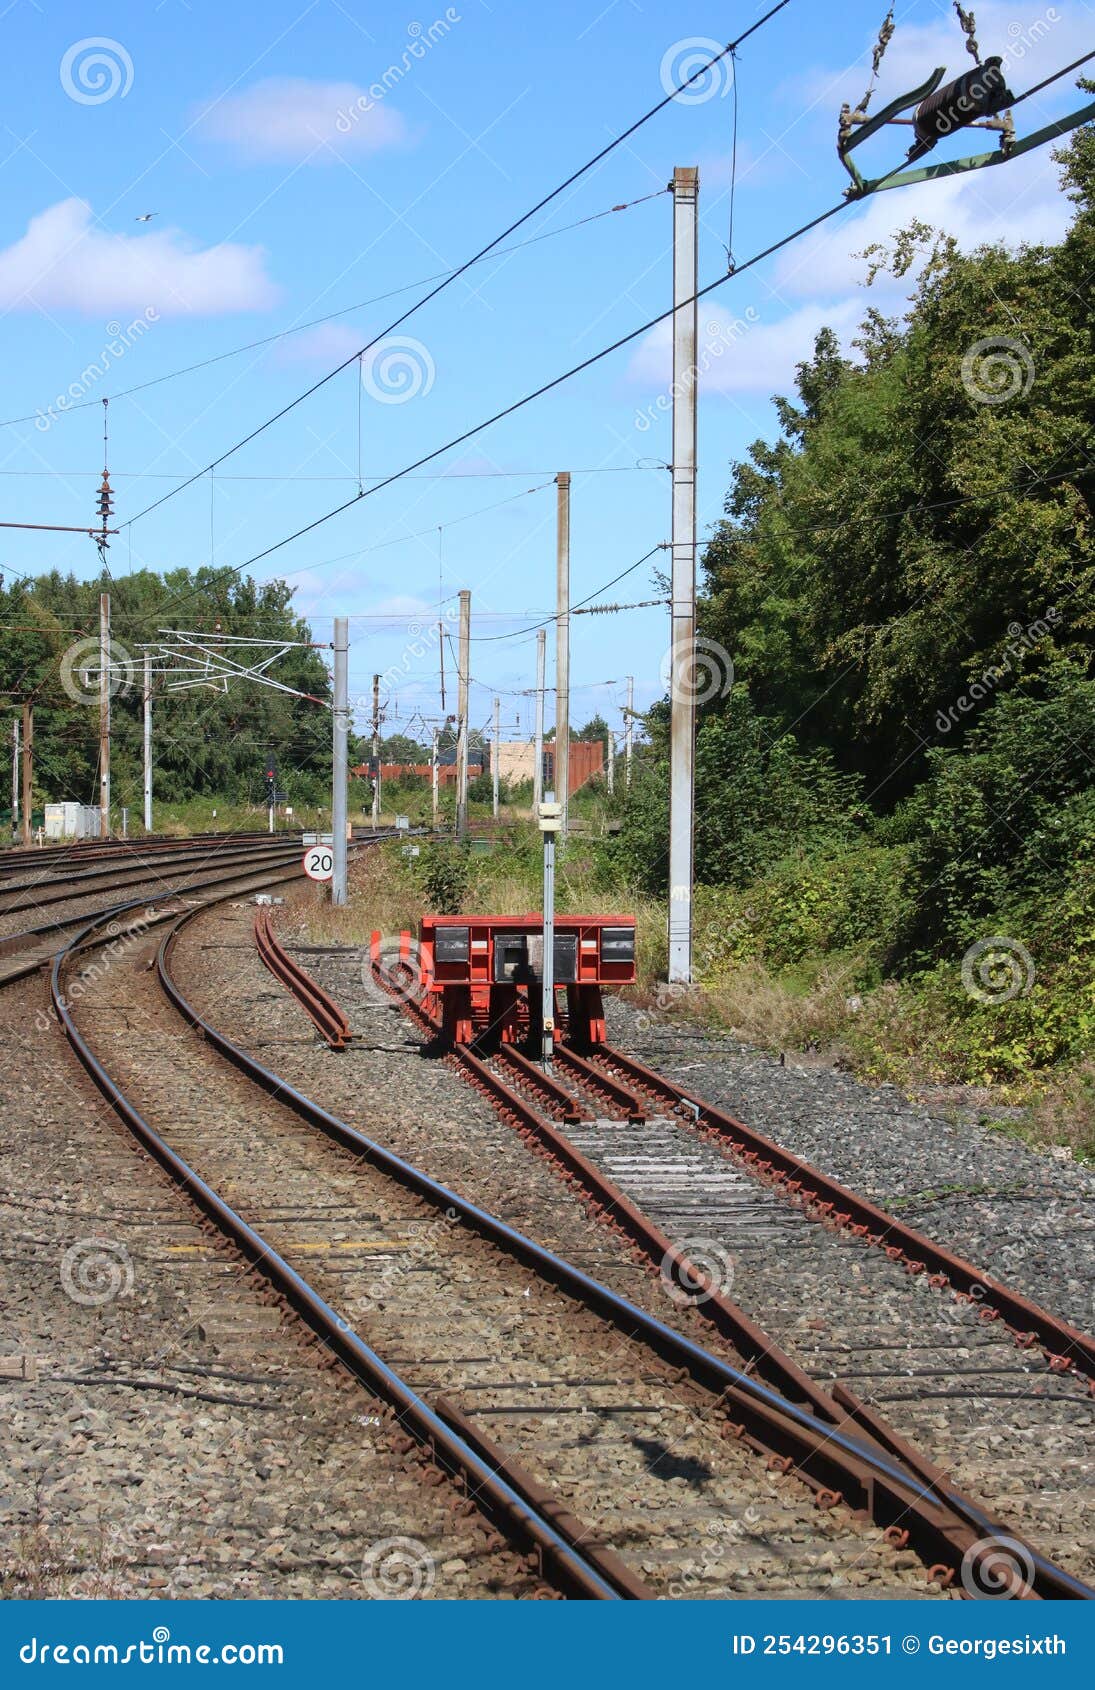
<point>205,741</point>
<point>757,794</point>
<point>905,582</point>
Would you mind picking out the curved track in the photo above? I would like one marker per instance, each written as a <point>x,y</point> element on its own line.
<point>595,1419</point>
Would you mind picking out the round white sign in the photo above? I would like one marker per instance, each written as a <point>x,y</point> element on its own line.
<point>319,862</point>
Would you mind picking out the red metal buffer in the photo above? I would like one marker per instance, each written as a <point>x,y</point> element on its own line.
<point>483,974</point>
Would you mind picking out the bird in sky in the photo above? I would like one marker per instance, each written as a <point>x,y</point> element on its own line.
<point>145,217</point>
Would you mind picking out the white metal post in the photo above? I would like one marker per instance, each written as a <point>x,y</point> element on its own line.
<point>376,751</point>
<point>629,725</point>
<point>562,643</point>
<point>496,756</point>
<point>340,729</point>
<point>147,789</point>
<point>538,765</point>
<point>462,716</point>
<point>104,715</point>
<point>611,772</point>
<point>682,716</point>
<point>15,777</point>
<point>550,819</point>
<point>433,779</point>
<point>28,769</point>
<point>125,821</point>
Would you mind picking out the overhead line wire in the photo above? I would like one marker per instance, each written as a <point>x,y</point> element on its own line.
<point>332,316</point>
<point>454,275</point>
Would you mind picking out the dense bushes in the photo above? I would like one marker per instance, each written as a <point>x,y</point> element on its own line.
<point>895,800</point>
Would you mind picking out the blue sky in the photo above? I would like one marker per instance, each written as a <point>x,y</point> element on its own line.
<point>300,159</point>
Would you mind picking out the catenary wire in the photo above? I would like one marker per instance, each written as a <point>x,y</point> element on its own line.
<point>454,275</point>
<point>332,316</point>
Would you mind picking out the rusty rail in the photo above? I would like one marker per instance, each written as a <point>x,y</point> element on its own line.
<point>549,1550</point>
<point>321,1009</point>
<point>838,1448</point>
<point>1066,1348</point>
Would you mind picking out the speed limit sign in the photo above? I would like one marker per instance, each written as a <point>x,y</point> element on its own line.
<point>319,862</point>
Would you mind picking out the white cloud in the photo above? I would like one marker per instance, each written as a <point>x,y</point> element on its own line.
<point>292,118</point>
<point>746,354</point>
<point>406,604</point>
<point>327,343</point>
<point>64,262</point>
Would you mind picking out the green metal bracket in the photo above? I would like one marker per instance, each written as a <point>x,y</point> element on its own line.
<point>865,130</point>
<point>979,161</point>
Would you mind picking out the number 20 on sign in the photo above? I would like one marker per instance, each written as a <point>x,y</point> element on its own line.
<point>319,862</point>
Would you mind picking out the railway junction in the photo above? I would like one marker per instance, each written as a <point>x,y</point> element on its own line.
<point>321,1283</point>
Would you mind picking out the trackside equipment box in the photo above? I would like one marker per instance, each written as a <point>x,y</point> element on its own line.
<point>71,821</point>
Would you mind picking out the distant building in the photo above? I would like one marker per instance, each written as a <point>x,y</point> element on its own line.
<point>517,760</point>
<point>446,769</point>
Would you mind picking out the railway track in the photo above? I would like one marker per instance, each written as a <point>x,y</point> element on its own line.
<point>949,1363</point>
<point>29,861</point>
<point>25,950</point>
<point>180,1439</point>
<point>619,1418</point>
<point>38,892</point>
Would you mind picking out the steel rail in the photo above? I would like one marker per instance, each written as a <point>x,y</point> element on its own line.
<point>833,1460</point>
<point>321,1009</point>
<point>278,860</point>
<point>52,857</point>
<point>241,881</point>
<point>622,1096</point>
<point>31,894</point>
<point>1066,1348</point>
<point>609,1204</point>
<point>573,1571</point>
